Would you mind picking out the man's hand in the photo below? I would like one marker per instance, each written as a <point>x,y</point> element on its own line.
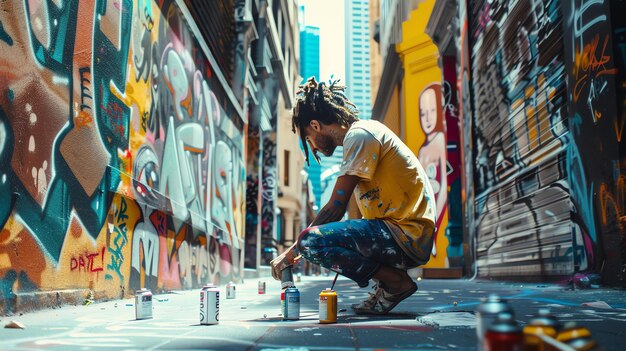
<point>286,259</point>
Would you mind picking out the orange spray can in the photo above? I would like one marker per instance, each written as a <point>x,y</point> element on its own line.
<point>577,337</point>
<point>542,324</point>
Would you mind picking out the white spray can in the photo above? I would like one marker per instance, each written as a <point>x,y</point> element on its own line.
<point>230,290</point>
<point>143,304</point>
<point>209,305</point>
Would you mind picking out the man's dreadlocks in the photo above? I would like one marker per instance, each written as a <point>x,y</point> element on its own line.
<point>327,104</point>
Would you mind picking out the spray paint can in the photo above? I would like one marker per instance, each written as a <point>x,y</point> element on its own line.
<point>230,290</point>
<point>543,324</point>
<point>286,280</point>
<point>486,314</point>
<point>261,287</point>
<point>504,334</point>
<point>143,304</point>
<point>292,304</point>
<point>328,306</point>
<point>282,302</point>
<point>577,337</point>
<point>209,305</point>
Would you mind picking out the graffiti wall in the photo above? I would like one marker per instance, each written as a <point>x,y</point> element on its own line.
<point>520,139</point>
<point>618,25</point>
<point>121,159</point>
<point>269,198</point>
<point>594,159</point>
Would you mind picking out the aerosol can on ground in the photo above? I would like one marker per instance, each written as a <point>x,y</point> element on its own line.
<point>328,306</point>
<point>292,304</point>
<point>143,304</point>
<point>231,291</point>
<point>543,324</point>
<point>209,305</point>
<point>504,334</point>
<point>577,337</point>
<point>486,314</point>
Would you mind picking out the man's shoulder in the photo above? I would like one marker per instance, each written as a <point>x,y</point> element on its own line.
<point>367,129</point>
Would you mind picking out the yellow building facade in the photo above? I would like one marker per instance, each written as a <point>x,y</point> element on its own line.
<point>424,126</point>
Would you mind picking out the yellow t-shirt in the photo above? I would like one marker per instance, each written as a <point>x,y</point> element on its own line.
<point>394,186</point>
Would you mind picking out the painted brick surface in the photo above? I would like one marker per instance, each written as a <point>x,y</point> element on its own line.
<point>121,159</point>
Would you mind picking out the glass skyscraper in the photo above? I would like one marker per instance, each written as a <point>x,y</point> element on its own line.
<point>310,52</point>
<point>310,66</point>
<point>358,56</point>
<point>323,176</point>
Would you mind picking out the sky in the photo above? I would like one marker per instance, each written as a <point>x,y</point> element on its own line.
<point>329,16</point>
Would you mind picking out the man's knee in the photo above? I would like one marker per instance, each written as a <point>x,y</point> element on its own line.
<point>307,239</point>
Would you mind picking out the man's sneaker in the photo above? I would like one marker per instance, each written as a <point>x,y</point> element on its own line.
<point>381,302</point>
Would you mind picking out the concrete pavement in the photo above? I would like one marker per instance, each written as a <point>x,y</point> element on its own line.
<point>439,316</point>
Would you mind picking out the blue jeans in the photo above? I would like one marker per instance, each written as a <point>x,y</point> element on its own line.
<point>355,248</point>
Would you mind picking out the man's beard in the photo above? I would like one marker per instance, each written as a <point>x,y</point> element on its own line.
<point>328,147</point>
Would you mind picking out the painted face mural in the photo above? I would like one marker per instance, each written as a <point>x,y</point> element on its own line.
<point>430,115</point>
<point>432,156</point>
<point>110,125</point>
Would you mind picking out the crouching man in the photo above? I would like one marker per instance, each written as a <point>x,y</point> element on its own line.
<point>392,192</point>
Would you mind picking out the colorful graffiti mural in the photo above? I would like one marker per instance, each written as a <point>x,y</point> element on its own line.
<point>595,158</point>
<point>432,153</point>
<point>253,197</point>
<point>110,123</point>
<point>520,140</point>
<point>269,196</point>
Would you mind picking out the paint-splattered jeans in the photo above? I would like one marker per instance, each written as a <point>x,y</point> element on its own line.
<point>354,248</point>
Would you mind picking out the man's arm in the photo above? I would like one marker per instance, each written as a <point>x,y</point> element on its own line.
<point>336,207</point>
<point>333,211</point>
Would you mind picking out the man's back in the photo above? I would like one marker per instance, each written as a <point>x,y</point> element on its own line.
<point>393,187</point>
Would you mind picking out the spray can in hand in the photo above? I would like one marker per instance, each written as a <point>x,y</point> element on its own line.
<point>286,282</point>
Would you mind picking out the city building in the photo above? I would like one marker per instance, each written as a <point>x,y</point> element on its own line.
<point>290,158</point>
<point>274,160</point>
<point>309,51</point>
<point>310,67</point>
<point>358,77</point>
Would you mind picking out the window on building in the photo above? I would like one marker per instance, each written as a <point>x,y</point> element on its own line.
<point>286,168</point>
